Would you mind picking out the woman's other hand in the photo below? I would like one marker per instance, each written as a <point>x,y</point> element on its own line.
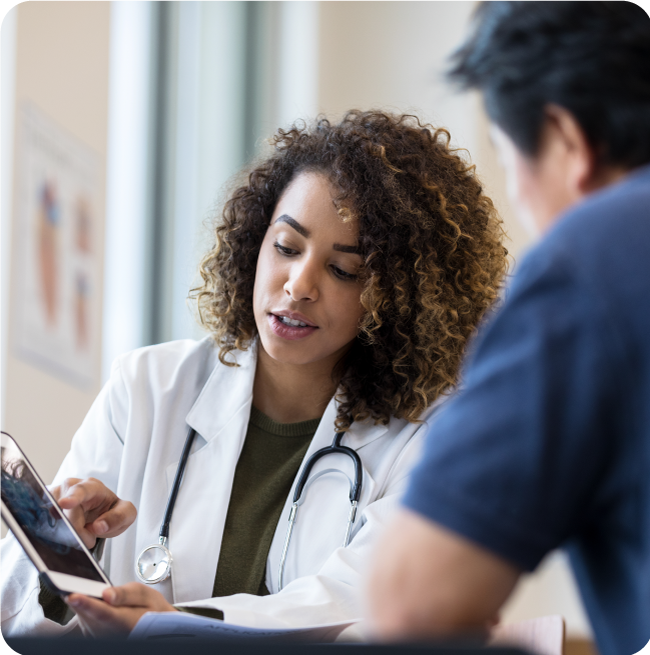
<point>121,610</point>
<point>93,509</point>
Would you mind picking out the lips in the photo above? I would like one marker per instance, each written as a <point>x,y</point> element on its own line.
<point>294,318</point>
<point>291,325</point>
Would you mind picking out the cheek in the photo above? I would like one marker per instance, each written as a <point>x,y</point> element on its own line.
<point>260,287</point>
<point>349,310</point>
<point>524,196</point>
<point>266,273</point>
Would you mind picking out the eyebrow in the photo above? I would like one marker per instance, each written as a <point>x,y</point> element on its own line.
<point>285,218</point>
<point>341,248</point>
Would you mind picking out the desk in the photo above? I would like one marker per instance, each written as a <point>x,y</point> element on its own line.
<point>185,646</point>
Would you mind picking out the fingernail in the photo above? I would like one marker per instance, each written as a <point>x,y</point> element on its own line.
<point>75,602</point>
<point>101,527</point>
<point>109,596</point>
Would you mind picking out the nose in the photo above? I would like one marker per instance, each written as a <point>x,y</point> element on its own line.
<point>302,283</point>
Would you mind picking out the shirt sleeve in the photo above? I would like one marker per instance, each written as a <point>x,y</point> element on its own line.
<point>513,462</point>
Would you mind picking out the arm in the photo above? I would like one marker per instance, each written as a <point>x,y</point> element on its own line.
<point>429,582</point>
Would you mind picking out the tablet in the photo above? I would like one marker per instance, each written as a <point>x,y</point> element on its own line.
<point>43,530</point>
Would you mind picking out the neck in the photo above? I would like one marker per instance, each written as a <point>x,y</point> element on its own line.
<point>601,177</point>
<point>290,393</point>
<point>605,176</point>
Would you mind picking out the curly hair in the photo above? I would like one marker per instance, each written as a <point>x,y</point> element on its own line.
<point>430,240</point>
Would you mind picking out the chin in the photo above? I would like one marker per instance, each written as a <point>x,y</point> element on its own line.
<point>291,353</point>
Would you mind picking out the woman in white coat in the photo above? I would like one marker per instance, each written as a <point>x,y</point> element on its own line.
<point>348,272</point>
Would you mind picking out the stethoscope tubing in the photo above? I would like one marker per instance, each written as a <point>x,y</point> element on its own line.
<point>164,528</point>
<point>355,491</point>
<point>355,494</point>
<point>335,448</point>
<point>154,562</point>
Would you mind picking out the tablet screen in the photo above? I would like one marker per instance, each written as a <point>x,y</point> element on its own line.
<point>41,520</point>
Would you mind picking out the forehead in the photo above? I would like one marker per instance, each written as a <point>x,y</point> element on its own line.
<point>309,199</point>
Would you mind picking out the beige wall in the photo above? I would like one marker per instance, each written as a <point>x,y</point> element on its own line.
<point>62,68</point>
<point>392,55</point>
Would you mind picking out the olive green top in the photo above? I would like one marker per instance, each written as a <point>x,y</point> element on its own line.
<point>268,464</point>
<point>267,467</point>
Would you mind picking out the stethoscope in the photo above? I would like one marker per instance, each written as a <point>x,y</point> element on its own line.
<point>154,563</point>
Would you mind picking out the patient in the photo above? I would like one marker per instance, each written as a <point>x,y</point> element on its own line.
<point>347,273</point>
<point>555,409</point>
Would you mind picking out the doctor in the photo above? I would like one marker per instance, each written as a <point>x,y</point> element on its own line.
<point>349,270</point>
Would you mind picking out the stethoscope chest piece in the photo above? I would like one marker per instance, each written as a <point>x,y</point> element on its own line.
<point>154,564</point>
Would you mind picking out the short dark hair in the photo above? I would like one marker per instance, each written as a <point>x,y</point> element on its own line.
<point>591,58</point>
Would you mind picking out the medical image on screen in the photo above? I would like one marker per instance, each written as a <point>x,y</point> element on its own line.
<point>41,520</point>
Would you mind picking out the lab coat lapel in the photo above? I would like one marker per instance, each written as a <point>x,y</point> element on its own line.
<point>220,416</point>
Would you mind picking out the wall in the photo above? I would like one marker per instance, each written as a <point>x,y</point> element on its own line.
<point>393,55</point>
<point>7,102</point>
<point>61,67</point>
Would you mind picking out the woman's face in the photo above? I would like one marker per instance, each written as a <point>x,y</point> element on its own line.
<point>306,298</point>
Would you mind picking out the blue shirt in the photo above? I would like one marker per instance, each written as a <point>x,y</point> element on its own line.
<point>548,445</point>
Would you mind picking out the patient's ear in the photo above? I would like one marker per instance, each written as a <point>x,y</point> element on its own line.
<point>565,136</point>
<point>583,163</point>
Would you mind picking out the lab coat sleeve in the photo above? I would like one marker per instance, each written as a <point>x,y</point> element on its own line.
<point>335,592</point>
<point>96,452</point>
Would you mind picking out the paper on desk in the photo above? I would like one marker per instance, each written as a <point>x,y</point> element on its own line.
<point>158,625</point>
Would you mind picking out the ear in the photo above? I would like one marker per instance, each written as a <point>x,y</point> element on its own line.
<point>580,157</point>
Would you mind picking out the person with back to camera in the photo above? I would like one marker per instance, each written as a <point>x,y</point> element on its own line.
<point>555,407</point>
<point>349,271</point>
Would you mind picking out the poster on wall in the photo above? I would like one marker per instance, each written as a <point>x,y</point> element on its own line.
<point>56,269</point>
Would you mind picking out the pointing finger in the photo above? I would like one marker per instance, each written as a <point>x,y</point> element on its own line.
<point>61,490</point>
<point>73,497</point>
<point>115,521</point>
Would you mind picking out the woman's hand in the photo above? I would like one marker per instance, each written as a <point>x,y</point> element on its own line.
<point>121,610</point>
<point>93,509</point>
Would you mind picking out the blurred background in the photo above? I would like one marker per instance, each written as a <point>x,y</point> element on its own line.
<point>122,124</point>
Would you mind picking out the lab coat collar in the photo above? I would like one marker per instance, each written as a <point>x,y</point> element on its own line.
<point>229,388</point>
<point>225,393</point>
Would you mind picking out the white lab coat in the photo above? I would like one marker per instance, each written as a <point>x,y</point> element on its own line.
<point>131,440</point>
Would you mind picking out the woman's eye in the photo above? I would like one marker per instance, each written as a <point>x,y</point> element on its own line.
<point>283,250</point>
<point>343,275</point>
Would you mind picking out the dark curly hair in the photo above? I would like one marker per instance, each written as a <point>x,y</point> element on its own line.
<point>430,239</point>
